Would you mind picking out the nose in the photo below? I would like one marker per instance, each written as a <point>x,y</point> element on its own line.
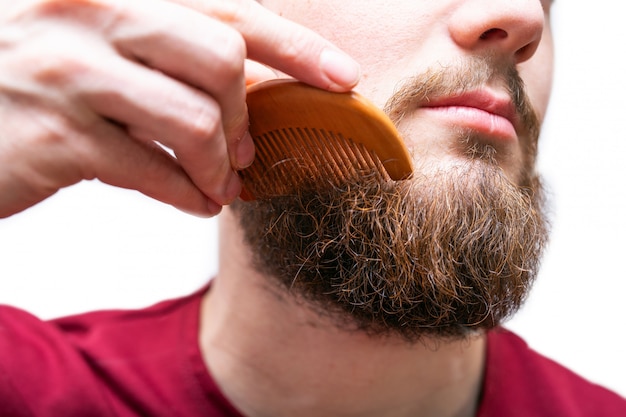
<point>504,27</point>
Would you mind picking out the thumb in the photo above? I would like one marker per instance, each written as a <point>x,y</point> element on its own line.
<point>257,72</point>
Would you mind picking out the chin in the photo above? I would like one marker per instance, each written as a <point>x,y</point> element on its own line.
<point>448,253</point>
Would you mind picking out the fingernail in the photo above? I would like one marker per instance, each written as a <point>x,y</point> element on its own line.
<point>214,208</point>
<point>340,68</point>
<point>245,151</point>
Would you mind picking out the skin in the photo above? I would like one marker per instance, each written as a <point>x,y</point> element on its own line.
<point>274,357</point>
<point>91,89</point>
<point>435,35</point>
<point>87,87</point>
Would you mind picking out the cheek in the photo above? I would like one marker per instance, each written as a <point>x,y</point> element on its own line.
<point>537,74</point>
<point>384,42</point>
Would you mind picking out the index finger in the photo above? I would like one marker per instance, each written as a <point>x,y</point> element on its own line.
<point>284,45</point>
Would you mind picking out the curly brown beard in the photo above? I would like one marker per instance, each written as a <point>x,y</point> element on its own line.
<point>446,253</point>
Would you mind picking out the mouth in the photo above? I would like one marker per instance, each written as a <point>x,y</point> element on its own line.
<point>482,111</point>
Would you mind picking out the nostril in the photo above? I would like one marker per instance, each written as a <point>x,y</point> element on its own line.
<point>525,52</point>
<point>493,34</point>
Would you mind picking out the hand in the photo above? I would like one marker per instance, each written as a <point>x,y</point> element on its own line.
<point>98,89</point>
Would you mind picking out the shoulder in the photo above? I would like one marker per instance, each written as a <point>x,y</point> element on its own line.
<point>78,365</point>
<point>34,358</point>
<point>521,382</point>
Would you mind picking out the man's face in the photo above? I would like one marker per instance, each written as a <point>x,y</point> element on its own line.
<point>456,247</point>
<point>395,41</point>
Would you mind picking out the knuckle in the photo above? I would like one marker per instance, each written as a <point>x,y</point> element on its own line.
<point>232,12</point>
<point>66,8</point>
<point>59,69</point>
<point>296,46</point>
<point>205,126</point>
<point>231,57</point>
<point>50,8</point>
<point>236,126</point>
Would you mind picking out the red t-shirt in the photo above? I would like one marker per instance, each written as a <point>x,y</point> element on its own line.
<point>147,363</point>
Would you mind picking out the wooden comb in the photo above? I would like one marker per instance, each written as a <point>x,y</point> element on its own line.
<point>306,137</point>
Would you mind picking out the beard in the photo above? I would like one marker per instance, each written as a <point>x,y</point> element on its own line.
<point>446,253</point>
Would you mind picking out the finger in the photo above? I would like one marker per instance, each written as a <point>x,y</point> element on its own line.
<point>51,150</point>
<point>284,45</point>
<point>204,53</point>
<point>116,159</point>
<point>156,107</point>
<point>257,72</point>
<point>215,64</point>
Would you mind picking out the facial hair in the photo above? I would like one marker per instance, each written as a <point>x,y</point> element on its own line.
<point>449,252</point>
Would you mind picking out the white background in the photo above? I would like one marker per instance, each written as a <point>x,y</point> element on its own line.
<point>92,247</point>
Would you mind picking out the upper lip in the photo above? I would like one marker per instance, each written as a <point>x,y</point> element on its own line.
<point>485,100</point>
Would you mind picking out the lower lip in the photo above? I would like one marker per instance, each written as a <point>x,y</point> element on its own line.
<point>477,120</point>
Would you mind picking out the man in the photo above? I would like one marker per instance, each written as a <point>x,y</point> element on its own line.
<point>373,299</point>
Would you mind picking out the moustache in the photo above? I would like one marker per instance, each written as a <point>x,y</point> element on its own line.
<point>455,79</point>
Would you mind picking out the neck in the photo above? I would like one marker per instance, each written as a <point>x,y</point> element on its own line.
<point>275,357</point>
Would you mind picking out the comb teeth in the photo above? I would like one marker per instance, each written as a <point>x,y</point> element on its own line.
<point>290,160</point>
<point>308,139</point>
